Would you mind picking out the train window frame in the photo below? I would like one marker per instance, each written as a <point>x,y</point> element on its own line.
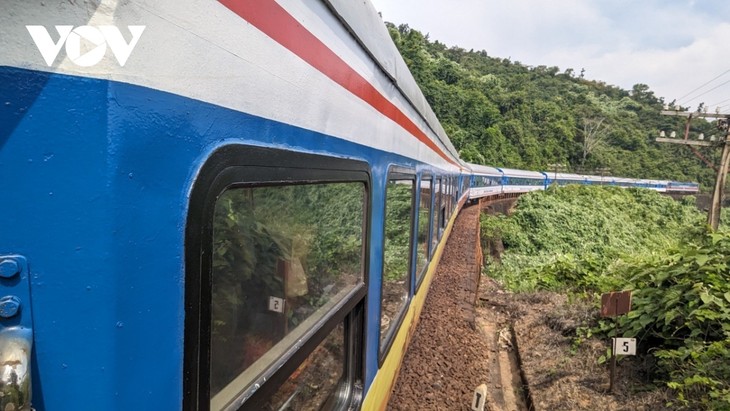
<point>421,274</point>
<point>446,206</point>
<point>452,196</point>
<point>251,166</point>
<point>384,344</point>
<point>436,216</point>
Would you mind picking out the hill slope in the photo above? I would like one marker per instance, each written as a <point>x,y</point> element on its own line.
<point>502,113</point>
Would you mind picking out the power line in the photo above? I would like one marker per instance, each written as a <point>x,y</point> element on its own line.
<point>704,84</point>
<point>718,104</point>
<point>702,94</point>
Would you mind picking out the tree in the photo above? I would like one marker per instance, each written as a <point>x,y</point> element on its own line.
<point>594,133</point>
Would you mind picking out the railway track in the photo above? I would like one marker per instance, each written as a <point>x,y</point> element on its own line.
<point>457,345</point>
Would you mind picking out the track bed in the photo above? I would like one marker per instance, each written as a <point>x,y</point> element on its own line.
<point>453,351</point>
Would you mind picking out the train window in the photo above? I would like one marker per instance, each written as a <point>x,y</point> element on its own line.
<point>452,196</point>
<point>449,187</point>
<point>450,207</point>
<point>317,379</point>
<point>281,273</point>
<point>400,197</point>
<point>283,256</point>
<point>436,214</point>
<point>424,220</point>
<point>447,199</point>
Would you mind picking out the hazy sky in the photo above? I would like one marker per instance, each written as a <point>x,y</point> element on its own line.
<point>674,46</point>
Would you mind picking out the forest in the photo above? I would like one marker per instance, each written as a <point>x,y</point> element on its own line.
<point>500,112</point>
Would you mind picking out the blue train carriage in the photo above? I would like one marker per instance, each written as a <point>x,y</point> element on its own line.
<point>220,205</point>
<point>683,187</point>
<point>569,178</point>
<point>656,185</point>
<point>464,182</point>
<point>620,181</point>
<point>522,181</point>
<point>485,181</point>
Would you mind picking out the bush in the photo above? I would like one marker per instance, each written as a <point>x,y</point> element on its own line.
<point>575,237</point>
<point>681,313</point>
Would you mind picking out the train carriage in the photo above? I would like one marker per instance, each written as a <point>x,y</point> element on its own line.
<point>522,181</point>
<point>570,178</point>
<point>682,187</point>
<point>235,204</point>
<point>484,181</point>
<point>656,185</point>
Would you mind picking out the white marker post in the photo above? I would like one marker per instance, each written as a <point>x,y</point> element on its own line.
<point>276,304</point>
<point>480,398</point>
<point>624,346</point>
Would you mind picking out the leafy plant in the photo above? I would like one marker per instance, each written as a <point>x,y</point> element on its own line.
<point>682,314</point>
<point>580,237</point>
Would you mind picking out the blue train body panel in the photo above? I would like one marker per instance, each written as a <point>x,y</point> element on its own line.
<point>103,207</point>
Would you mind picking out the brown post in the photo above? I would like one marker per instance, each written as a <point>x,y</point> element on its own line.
<point>723,123</point>
<point>613,346</point>
<point>713,217</point>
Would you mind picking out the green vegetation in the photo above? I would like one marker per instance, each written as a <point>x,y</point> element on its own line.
<point>586,240</point>
<point>569,237</point>
<point>682,311</point>
<point>502,113</point>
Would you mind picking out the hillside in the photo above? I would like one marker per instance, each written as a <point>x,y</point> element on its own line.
<point>503,113</point>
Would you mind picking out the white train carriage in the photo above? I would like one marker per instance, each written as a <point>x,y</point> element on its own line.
<point>485,181</point>
<point>522,181</point>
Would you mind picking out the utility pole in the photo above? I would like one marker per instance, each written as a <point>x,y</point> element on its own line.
<point>604,171</point>
<point>713,217</point>
<point>557,168</point>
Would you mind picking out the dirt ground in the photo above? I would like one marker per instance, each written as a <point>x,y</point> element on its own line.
<point>522,346</point>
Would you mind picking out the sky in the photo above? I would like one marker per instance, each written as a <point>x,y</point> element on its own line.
<point>673,46</point>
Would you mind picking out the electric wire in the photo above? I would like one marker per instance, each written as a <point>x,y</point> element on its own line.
<point>703,93</point>
<point>718,104</point>
<point>704,84</point>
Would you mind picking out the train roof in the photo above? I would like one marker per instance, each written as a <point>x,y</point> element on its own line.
<point>511,172</point>
<point>565,176</point>
<point>363,21</point>
<point>486,170</point>
<point>573,176</point>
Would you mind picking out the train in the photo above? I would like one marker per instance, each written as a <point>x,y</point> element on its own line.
<point>216,205</point>
<point>486,181</point>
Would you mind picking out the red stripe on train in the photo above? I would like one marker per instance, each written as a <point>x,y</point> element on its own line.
<point>269,17</point>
